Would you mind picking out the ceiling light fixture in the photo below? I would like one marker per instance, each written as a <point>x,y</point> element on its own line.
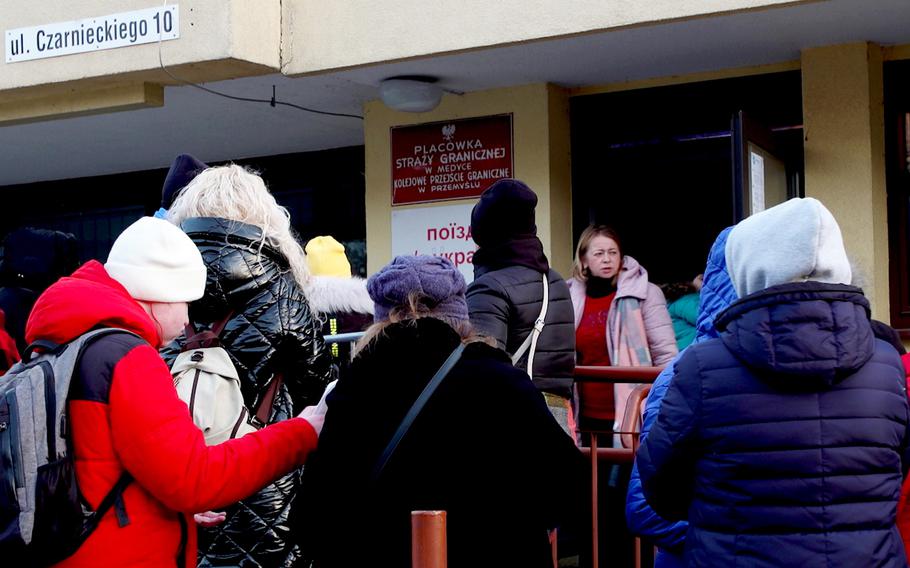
<point>410,93</point>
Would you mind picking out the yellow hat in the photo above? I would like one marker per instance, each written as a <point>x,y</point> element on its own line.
<point>326,257</point>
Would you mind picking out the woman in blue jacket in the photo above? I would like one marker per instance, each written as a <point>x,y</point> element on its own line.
<point>716,294</point>
<point>784,441</point>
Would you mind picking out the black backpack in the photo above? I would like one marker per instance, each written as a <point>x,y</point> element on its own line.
<point>43,517</point>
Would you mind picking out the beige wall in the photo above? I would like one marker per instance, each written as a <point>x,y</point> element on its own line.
<point>324,35</point>
<point>844,152</point>
<point>219,39</point>
<point>540,122</point>
<point>100,98</point>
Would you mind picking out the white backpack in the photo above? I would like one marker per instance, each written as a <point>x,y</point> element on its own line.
<point>207,381</point>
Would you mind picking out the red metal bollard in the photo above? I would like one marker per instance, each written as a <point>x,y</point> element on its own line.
<point>428,539</point>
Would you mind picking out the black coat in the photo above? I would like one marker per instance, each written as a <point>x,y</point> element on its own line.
<point>485,449</point>
<point>784,441</point>
<point>33,259</point>
<point>505,303</point>
<point>272,330</point>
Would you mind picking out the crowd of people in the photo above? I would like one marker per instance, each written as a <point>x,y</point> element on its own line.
<point>777,433</point>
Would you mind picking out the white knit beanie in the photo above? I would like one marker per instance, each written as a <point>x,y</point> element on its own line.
<point>795,241</point>
<point>157,262</point>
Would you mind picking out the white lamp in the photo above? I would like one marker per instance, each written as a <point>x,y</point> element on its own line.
<point>410,93</point>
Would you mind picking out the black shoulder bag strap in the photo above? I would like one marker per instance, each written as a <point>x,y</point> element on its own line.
<point>415,411</point>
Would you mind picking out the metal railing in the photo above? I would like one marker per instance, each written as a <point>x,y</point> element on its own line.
<point>631,427</point>
<point>352,337</point>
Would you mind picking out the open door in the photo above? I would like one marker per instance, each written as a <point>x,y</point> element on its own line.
<point>760,173</point>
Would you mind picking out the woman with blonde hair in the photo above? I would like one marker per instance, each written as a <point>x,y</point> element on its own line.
<point>485,441</point>
<point>256,274</point>
<point>620,317</point>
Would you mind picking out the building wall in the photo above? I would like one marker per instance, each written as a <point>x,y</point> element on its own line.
<point>844,152</point>
<point>222,39</point>
<point>219,39</point>
<point>335,35</point>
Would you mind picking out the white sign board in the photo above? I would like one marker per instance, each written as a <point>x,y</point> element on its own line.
<point>757,185</point>
<point>438,231</point>
<point>93,34</point>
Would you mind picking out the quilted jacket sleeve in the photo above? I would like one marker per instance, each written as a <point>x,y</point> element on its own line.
<point>488,305</point>
<point>157,442</point>
<point>640,517</point>
<point>666,459</point>
<point>302,351</point>
<point>659,327</point>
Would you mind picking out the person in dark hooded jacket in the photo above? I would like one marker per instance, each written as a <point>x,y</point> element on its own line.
<point>256,274</point>
<point>784,441</point>
<point>506,296</point>
<point>33,259</point>
<point>716,295</point>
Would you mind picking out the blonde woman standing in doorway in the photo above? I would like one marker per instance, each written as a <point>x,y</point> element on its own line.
<point>620,317</point>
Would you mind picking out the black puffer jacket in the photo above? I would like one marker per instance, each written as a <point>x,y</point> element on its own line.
<point>505,303</point>
<point>272,330</point>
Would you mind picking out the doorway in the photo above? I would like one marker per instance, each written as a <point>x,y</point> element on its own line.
<point>659,165</point>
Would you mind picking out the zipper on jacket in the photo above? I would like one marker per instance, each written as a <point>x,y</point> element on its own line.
<point>50,409</point>
<point>8,499</point>
<point>15,445</point>
<point>193,394</point>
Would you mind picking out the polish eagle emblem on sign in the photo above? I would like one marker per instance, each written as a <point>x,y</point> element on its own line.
<point>448,132</point>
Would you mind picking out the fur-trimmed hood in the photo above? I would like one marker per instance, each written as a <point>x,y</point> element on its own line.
<point>333,294</point>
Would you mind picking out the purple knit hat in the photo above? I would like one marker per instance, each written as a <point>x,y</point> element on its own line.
<point>434,277</point>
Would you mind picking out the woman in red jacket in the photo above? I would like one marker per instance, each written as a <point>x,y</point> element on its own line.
<point>124,411</point>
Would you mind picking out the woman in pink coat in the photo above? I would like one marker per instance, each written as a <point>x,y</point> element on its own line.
<point>620,318</point>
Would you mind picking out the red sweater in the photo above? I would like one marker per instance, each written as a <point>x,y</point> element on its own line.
<point>145,429</point>
<point>591,344</point>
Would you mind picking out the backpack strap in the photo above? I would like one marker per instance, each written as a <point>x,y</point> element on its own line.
<point>531,339</point>
<point>207,337</point>
<point>219,325</point>
<point>114,498</point>
<point>40,345</point>
<point>415,411</point>
<point>260,418</point>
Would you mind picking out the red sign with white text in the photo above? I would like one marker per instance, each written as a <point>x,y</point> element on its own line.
<point>455,159</point>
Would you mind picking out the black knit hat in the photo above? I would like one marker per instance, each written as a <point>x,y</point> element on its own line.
<point>505,212</point>
<point>182,172</point>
